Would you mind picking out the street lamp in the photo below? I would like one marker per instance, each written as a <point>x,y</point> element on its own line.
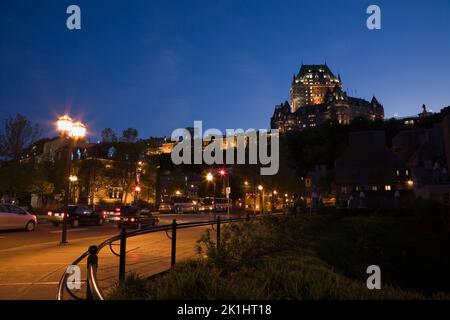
<point>260,188</point>
<point>71,131</point>
<point>209,177</point>
<point>137,191</point>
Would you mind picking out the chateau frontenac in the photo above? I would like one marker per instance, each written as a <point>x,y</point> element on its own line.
<point>317,97</point>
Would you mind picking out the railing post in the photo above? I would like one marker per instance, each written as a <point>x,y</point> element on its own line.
<point>174,243</point>
<point>91,261</point>
<point>218,231</point>
<point>123,252</point>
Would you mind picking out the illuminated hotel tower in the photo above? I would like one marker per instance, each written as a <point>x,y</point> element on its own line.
<point>311,84</point>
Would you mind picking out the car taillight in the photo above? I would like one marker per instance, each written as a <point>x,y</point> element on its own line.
<point>49,213</point>
<point>132,219</point>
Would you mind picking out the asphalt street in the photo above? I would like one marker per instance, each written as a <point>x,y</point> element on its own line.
<point>31,263</point>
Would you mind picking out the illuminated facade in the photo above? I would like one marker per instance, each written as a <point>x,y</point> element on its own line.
<point>311,84</point>
<point>317,97</point>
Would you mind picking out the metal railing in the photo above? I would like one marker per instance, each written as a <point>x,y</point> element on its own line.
<point>93,290</point>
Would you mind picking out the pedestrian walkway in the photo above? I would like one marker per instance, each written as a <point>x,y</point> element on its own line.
<point>33,272</point>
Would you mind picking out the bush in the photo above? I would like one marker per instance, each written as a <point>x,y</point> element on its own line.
<point>284,258</point>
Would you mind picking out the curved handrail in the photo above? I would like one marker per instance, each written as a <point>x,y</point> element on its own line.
<point>92,281</point>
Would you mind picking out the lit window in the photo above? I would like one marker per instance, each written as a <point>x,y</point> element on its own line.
<point>387,188</point>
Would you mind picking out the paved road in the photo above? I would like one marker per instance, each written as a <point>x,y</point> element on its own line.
<point>31,263</point>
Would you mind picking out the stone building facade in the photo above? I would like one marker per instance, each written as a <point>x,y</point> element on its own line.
<point>317,97</point>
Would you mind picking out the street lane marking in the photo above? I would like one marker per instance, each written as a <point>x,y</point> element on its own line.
<point>29,283</point>
<point>69,230</point>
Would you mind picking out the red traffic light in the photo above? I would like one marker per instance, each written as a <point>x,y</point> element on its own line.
<point>222,172</point>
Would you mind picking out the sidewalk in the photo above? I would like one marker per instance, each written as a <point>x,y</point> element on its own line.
<point>33,272</point>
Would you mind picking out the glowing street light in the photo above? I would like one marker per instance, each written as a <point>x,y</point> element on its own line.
<point>260,187</point>
<point>70,131</point>
<point>64,124</point>
<point>209,177</point>
<point>77,131</point>
<point>177,192</point>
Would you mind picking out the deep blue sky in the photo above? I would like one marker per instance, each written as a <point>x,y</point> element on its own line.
<point>160,65</point>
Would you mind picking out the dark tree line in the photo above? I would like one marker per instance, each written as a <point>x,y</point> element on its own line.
<point>16,135</point>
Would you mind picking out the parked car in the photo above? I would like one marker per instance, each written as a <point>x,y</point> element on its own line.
<point>221,204</point>
<point>78,215</point>
<point>185,204</point>
<point>13,217</point>
<point>135,218</point>
<point>206,205</point>
<point>166,207</point>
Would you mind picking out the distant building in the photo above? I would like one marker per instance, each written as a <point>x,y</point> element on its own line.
<point>369,167</point>
<point>311,85</point>
<point>316,97</point>
<point>425,148</point>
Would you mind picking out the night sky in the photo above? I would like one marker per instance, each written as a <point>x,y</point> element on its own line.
<point>160,65</point>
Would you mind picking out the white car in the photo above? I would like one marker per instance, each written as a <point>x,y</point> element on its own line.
<point>185,204</point>
<point>14,217</point>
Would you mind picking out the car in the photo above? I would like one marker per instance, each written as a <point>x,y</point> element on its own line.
<point>132,217</point>
<point>185,204</point>
<point>110,214</point>
<point>13,217</point>
<point>78,215</point>
<point>221,204</point>
<point>206,205</point>
<point>165,207</point>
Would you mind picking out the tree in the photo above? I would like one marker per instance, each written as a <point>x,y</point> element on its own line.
<point>18,133</point>
<point>108,135</point>
<point>129,135</point>
<point>42,188</point>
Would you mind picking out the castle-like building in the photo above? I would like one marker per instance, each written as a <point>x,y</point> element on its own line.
<point>316,97</point>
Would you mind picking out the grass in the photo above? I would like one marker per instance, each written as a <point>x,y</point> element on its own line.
<point>307,257</point>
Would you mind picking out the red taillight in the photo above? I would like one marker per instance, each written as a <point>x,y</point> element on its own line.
<point>132,219</point>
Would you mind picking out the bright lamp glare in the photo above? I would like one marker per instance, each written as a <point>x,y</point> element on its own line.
<point>64,124</point>
<point>78,130</point>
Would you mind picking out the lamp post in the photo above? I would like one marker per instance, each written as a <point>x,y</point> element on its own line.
<point>137,191</point>
<point>226,187</point>
<point>260,188</point>
<point>273,200</point>
<point>70,131</point>
<point>210,178</point>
